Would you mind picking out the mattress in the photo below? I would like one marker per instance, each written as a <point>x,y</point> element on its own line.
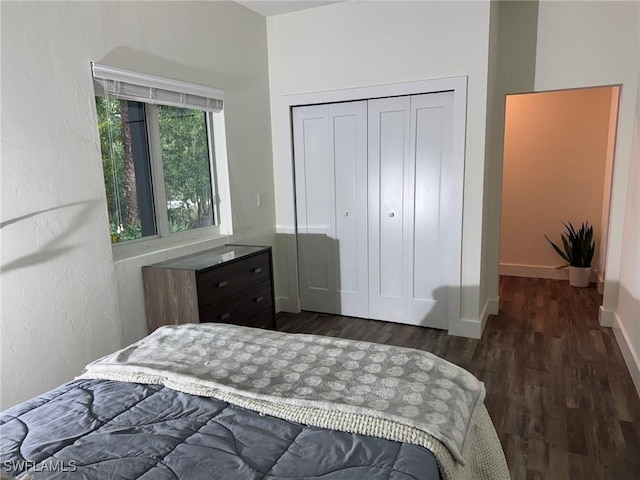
<point>104,429</point>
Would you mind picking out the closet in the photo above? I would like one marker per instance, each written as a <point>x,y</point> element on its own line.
<point>378,219</point>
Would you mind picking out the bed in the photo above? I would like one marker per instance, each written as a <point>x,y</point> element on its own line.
<point>224,402</point>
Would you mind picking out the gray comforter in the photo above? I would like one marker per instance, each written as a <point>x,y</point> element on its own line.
<point>101,429</point>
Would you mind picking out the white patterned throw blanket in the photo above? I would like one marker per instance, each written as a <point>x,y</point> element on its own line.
<point>400,394</point>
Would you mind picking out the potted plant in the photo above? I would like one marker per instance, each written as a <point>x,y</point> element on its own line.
<point>577,252</point>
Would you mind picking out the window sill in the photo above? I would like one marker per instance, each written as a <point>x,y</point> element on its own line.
<point>144,247</point>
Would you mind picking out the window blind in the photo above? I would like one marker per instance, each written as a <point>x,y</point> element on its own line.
<point>122,84</point>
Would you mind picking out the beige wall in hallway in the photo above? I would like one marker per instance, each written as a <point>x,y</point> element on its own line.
<point>555,155</point>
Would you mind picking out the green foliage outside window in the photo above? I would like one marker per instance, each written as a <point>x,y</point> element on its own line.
<point>110,128</point>
<point>185,161</point>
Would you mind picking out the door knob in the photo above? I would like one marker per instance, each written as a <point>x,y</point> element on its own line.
<point>391,214</point>
<point>346,214</point>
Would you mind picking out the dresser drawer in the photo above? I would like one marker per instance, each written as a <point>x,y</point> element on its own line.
<point>238,308</point>
<point>219,283</point>
<point>264,319</point>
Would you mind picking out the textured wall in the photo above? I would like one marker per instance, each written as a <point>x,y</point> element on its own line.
<point>60,301</point>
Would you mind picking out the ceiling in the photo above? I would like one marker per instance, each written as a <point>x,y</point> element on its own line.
<point>268,8</point>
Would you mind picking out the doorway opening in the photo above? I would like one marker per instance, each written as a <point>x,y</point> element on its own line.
<point>557,167</point>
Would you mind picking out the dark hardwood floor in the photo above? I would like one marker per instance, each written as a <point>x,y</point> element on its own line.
<point>558,390</point>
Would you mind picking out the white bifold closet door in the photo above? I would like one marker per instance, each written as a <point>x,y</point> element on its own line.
<point>373,197</point>
<point>409,140</point>
<point>330,148</point>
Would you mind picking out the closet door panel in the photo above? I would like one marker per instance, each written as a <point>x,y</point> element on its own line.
<point>330,153</point>
<point>451,196</point>
<point>430,138</point>
<point>388,157</point>
<point>428,131</point>
<point>348,140</point>
<point>392,151</point>
<point>315,201</point>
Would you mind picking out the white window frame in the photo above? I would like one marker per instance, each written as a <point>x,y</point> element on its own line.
<point>218,164</point>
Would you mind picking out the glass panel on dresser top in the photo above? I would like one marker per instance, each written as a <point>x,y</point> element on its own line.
<point>208,258</point>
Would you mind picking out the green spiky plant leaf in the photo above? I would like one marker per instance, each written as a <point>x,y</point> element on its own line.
<point>578,245</point>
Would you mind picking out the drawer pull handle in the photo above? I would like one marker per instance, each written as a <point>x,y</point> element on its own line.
<point>257,270</point>
<point>224,283</point>
<point>259,299</point>
<point>224,316</point>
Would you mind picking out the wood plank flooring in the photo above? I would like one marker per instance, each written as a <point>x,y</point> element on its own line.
<point>558,391</point>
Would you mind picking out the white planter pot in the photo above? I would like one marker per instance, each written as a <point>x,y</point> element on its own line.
<point>579,277</point>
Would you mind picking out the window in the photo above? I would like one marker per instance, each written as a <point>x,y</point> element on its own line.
<point>163,157</point>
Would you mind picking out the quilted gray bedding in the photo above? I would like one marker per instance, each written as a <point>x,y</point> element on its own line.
<point>102,429</point>
<point>399,394</point>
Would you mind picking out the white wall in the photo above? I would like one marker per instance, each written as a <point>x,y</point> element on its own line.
<point>489,301</point>
<point>626,325</point>
<point>514,73</point>
<point>585,44</point>
<point>358,44</point>
<point>64,301</point>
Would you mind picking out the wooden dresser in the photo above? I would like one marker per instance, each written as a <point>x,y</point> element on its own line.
<point>229,284</point>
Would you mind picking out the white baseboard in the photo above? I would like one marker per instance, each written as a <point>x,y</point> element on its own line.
<point>605,317</point>
<point>491,307</point>
<point>537,271</point>
<point>533,271</point>
<point>466,328</point>
<point>628,351</point>
<point>474,328</point>
<point>286,304</point>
